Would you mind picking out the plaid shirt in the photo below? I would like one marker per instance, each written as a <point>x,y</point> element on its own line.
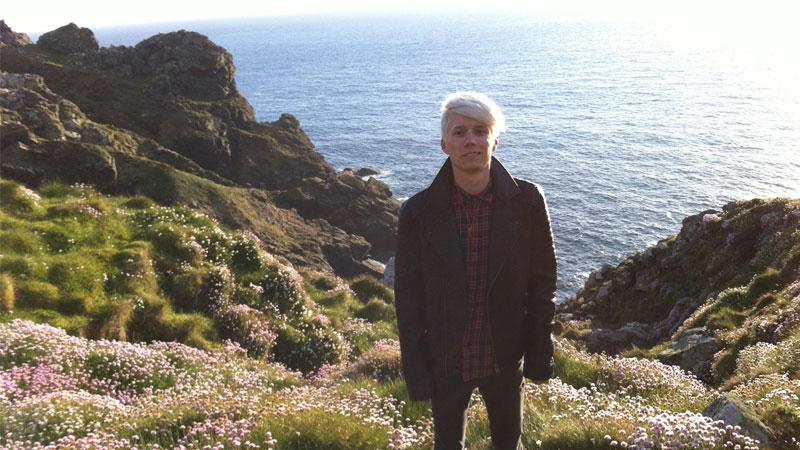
<point>473,214</point>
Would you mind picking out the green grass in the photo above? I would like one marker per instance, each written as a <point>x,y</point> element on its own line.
<point>576,372</point>
<point>319,430</point>
<point>123,268</point>
<point>366,288</point>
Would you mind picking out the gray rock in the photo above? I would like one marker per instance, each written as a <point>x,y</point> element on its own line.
<point>615,341</point>
<point>734,414</point>
<point>9,38</point>
<point>682,309</point>
<point>711,221</point>
<point>185,63</point>
<point>604,290</point>
<point>68,40</point>
<point>699,225</point>
<point>693,351</point>
<point>377,268</point>
<point>367,171</point>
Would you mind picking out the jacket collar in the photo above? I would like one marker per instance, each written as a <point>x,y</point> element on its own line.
<point>441,230</point>
<point>439,192</point>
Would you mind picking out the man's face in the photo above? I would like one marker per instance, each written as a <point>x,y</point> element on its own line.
<point>469,144</point>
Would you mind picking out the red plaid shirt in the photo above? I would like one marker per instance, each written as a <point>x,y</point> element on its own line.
<point>473,214</point>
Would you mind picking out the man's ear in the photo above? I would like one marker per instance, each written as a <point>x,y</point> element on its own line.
<point>443,146</point>
<point>496,143</point>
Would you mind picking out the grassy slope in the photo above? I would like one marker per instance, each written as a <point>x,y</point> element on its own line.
<point>123,268</point>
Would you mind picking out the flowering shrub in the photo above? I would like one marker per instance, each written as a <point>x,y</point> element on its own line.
<point>763,358</point>
<point>282,289</point>
<point>250,328</point>
<point>381,362</point>
<point>68,398</point>
<point>310,347</point>
<point>644,378</point>
<point>50,416</point>
<point>629,421</point>
<point>222,432</point>
<point>246,253</point>
<point>685,430</point>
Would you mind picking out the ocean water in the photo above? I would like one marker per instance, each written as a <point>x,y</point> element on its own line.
<point>628,127</point>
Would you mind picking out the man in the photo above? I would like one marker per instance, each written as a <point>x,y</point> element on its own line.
<point>475,277</point>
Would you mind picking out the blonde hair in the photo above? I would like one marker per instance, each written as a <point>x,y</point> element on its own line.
<point>476,106</point>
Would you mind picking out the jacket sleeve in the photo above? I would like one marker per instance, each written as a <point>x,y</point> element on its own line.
<point>540,304</point>
<point>410,307</point>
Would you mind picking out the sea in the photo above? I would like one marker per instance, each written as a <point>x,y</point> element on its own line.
<point>628,127</point>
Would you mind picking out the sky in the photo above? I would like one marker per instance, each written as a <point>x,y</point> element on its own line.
<point>45,15</point>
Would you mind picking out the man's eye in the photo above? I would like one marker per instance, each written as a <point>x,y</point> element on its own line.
<point>458,132</point>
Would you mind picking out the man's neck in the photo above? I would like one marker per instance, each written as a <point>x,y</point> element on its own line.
<point>473,183</point>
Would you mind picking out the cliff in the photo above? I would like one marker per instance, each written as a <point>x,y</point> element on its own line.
<point>164,119</point>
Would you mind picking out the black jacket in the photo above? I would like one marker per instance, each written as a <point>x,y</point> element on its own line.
<point>431,286</point>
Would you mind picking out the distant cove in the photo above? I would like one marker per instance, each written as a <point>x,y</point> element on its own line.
<point>628,127</point>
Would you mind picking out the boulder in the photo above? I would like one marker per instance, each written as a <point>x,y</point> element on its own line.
<point>34,105</point>
<point>699,226</point>
<point>367,172</point>
<point>68,40</point>
<point>683,308</point>
<point>614,341</point>
<point>11,39</point>
<point>693,351</point>
<point>185,63</point>
<point>735,414</point>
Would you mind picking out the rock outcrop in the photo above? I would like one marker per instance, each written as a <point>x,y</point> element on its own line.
<point>723,283</point>
<point>9,38</point>
<point>185,63</point>
<point>693,351</point>
<point>68,40</point>
<point>121,114</point>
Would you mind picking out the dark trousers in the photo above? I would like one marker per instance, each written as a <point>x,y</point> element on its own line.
<point>502,394</point>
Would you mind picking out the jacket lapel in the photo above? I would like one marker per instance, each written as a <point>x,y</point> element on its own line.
<point>443,235</point>
<point>440,225</point>
<point>441,229</point>
<point>505,226</point>
<point>505,230</point>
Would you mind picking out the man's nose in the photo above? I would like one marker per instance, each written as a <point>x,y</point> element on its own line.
<point>471,138</point>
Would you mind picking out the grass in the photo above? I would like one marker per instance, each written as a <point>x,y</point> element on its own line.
<point>319,430</point>
<point>124,268</point>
